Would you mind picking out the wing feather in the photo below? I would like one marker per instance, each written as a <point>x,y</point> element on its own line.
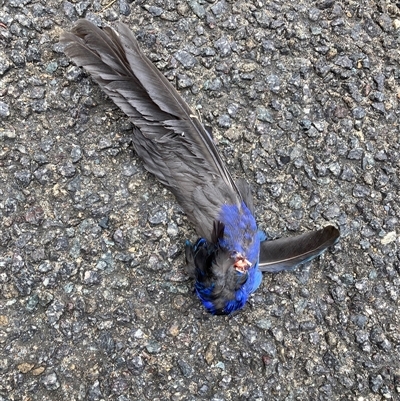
<point>168,137</point>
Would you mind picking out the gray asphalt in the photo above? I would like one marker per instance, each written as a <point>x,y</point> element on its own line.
<point>303,98</point>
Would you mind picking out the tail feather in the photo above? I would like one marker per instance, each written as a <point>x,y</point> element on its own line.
<point>287,253</point>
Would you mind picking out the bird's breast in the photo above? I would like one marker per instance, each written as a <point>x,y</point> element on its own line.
<point>240,233</point>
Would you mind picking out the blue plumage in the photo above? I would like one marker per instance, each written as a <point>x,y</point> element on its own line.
<point>240,244</point>
<point>240,231</point>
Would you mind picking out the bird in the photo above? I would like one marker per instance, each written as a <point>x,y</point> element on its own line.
<point>231,254</point>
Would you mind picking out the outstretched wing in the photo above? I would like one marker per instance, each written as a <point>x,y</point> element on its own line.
<point>287,253</point>
<point>168,137</point>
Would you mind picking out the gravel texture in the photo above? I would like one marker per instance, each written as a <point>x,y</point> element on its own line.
<point>303,98</point>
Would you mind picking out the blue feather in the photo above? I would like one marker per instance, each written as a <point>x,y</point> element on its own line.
<point>240,233</point>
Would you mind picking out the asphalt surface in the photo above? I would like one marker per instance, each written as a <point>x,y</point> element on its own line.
<point>95,304</point>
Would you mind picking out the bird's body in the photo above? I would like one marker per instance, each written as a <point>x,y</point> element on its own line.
<point>178,150</point>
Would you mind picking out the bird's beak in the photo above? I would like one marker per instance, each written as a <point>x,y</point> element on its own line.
<point>241,264</point>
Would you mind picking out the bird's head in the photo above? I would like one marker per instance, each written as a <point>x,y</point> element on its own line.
<point>223,279</point>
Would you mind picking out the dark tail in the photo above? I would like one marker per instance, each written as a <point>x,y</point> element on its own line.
<point>287,253</point>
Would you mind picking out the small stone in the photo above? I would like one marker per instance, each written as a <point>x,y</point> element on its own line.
<point>35,215</point>
<point>262,19</point>
<point>185,368</point>
<point>338,294</point>
<point>54,312</point>
<point>385,22</point>
<point>314,14</point>
<point>219,8</point>
<point>184,81</point>
<point>197,8</point>
<point>17,57</point>
<point>389,238</point>
<point>233,109</point>
<point>32,303</point>
<point>335,169</point>
<point>359,113</point>
<point>153,347</point>
<point>5,65</point>
<point>23,177</point>
<point>67,169</point>
<point>118,237</point>
<point>361,191</point>
<point>51,382</point>
<point>4,110</point>
<point>360,320</point>
<point>74,74</point>
<point>264,324</point>
<point>124,8</point>
<point>355,154</point>
<point>33,54</point>
<point>172,230</point>
<point>296,202</point>
<point>159,217</point>
<point>380,155</point>
<point>361,285</point>
<point>45,267</point>
<point>45,298</point>
<point>347,174</point>
<point>70,11</point>
<point>274,83</point>
<point>375,383</point>
<point>361,336</point>
<point>154,10</point>
<point>38,371</point>
<point>76,154</point>
<point>135,365</point>
<point>106,342</point>
<point>111,15</point>
<point>214,85</point>
<point>278,334</point>
<point>260,178</point>
<point>25,367</point>
<point>174,330</point>
<point>331,339</point>
<point>224,121</point>
<point>208,52</point>
<point>377,335</point>
<point>75,184</point>
<point>94,393</point>
<point>186,59</point>
<point>210,353</point>
<point>223,45</point>
<point>344,61</point>
<point>264,115</point>
<point>307,326</point>
<point>39,106</point>
<point>174,251</point>
<point>379,106</point>
<point>91,277</point>
<point>81,7</point>
<point>330,360</point>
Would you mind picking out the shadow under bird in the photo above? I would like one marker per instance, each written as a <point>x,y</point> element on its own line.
<point>228,260</point>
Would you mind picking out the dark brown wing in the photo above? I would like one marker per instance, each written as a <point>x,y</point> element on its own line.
<point>169,138</point>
